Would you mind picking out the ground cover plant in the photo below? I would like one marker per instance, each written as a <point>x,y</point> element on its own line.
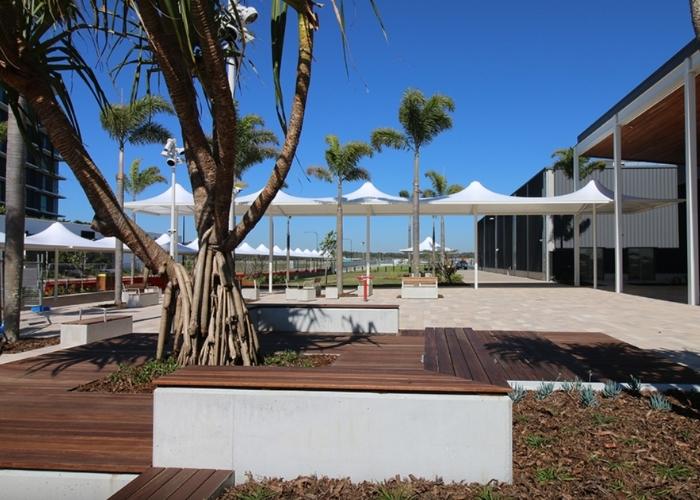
<point>621,448</point>
<point>140,378</point>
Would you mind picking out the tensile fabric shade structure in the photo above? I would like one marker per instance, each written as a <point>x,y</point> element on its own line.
<point>58,237</point>
<point>161,204</point>
<point>426,246</point>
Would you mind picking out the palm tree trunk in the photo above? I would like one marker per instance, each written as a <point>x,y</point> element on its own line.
<point>133,259</point>
<point>415,261</point>
<point>339,241</point>
<point>14,222</point>
<point>442,240</point>
<point>119,248</point>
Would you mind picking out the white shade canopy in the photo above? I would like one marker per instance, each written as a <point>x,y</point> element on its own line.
<point>286,204</point>
<point>426,246</point>
<point>477,199</point>
<point>161,204</point>
<point>58,237</point>
<point>164,242</point>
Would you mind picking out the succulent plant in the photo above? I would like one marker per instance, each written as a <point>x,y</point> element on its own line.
<point>635,385</point>
<point>588,397</point>
<point>544,390</point>
<point>659,402</point>
<point>517,393</point>
<point>572,386</point>
<point>611,390</point>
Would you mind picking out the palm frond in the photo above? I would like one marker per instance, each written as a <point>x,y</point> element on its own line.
<point>454,188</point>
<point>320,173</point>
<point>3,131</point>
<point>428,193</point>
<point>389,138</point>
<point>404,194</point>
<point>357,174</point>
<point>438,181</point>
<point>149,133</point>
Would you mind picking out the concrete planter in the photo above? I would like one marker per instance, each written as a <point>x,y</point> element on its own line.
<point>331,292</point>
<point>91,330</point>
<point>325,318</point>
<point>363,436</point>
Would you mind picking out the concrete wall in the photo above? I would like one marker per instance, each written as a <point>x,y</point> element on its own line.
<point>295,319</point>
<point>363,436</point>
<point>57,485</point>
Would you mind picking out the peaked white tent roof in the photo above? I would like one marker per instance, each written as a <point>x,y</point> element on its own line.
<point>160,204</point>
<point>426,246</point>
<point>164,242</point>
<point>58,237</point>
<point>477,199</point>
<point>286,204</point>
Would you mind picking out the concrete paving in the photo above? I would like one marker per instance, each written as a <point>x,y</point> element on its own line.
<point>507,303</point>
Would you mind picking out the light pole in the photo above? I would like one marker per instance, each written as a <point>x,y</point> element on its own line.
<point>173,156</point>
<point>237,31</point>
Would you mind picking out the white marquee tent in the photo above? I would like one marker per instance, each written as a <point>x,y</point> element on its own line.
<point>161,204</point>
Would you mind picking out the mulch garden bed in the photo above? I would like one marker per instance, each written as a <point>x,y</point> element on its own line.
<point>28,344</point>
<point>621,448</point>
<point>140,379</point>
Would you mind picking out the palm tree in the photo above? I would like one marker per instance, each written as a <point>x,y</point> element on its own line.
<point>135,182</point>
<point>441,188</point>
<point>341,166</point>
<point>132,123</point>
<point>422,120</point>
<point>14,219</point>
<point>565,162</point>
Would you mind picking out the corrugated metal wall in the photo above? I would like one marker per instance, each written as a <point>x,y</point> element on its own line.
<point>656,228</point>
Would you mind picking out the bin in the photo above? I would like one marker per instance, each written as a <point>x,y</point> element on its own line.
<point>105,282</point>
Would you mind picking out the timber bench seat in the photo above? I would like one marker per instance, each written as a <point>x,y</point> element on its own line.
<point>325,379</point>
<point>86,330</point>
<point>419,288</point>
<point>176,483</point>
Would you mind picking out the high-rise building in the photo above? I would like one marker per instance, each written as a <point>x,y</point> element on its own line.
<point>42,176</point>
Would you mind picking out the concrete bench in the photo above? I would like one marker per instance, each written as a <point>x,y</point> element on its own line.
<point>251,290</point>
<point>419,288</point>
<point>300,294</point>
<point>87,330</point>
<point>141,297</point>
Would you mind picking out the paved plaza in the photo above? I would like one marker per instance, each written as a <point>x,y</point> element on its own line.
<point>503,303</point>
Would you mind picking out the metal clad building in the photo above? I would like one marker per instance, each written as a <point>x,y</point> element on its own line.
<point>653,241</point>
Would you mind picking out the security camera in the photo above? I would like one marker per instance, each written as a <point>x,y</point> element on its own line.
<point>171,152</point>
<point>247,14</point>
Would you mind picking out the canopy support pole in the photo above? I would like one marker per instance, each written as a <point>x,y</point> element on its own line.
<point>476,252</point>
<point>577,225</point>
<point>288,242</point>
<point>595,248</point>
<point>367,247</point>
<point>691,186</point>
<point>55,273</point>
<point>271,235</point>
<point>173,216</point>
<point>617,164</point>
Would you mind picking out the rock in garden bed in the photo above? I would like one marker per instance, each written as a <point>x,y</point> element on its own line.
<point>620,448</point>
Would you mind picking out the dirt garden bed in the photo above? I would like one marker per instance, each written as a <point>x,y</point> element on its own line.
<point>139,379</point>
<point>28,344</point>
<point>621,448</point>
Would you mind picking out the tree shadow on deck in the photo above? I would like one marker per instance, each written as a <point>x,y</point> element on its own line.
<point>592,361</point>
<point>134,348</point>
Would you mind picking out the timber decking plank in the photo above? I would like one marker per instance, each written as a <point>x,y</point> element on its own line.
<point>192,484</point>
<point>219,480</point>
<point>137,483</point>
<point>430,361</point>
<point>444,358</point>
<point>175,483</point>
<point>460,365</point>
<point>475,366</point>
<point>491,364</point>
<point>154,485</point>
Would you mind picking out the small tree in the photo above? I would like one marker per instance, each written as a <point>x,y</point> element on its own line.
<point>441,188</point>
<point>132,123</point>
<point>565,162</point>
<point>328,249</point>
<point>422,120</point>
<point>135,182</point>
<point>342,166</point>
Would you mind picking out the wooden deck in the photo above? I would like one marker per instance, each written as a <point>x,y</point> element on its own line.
<point>176,484</point>
<point>44,424</point>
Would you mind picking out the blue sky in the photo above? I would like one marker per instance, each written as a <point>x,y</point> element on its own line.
<point>526,78</point>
